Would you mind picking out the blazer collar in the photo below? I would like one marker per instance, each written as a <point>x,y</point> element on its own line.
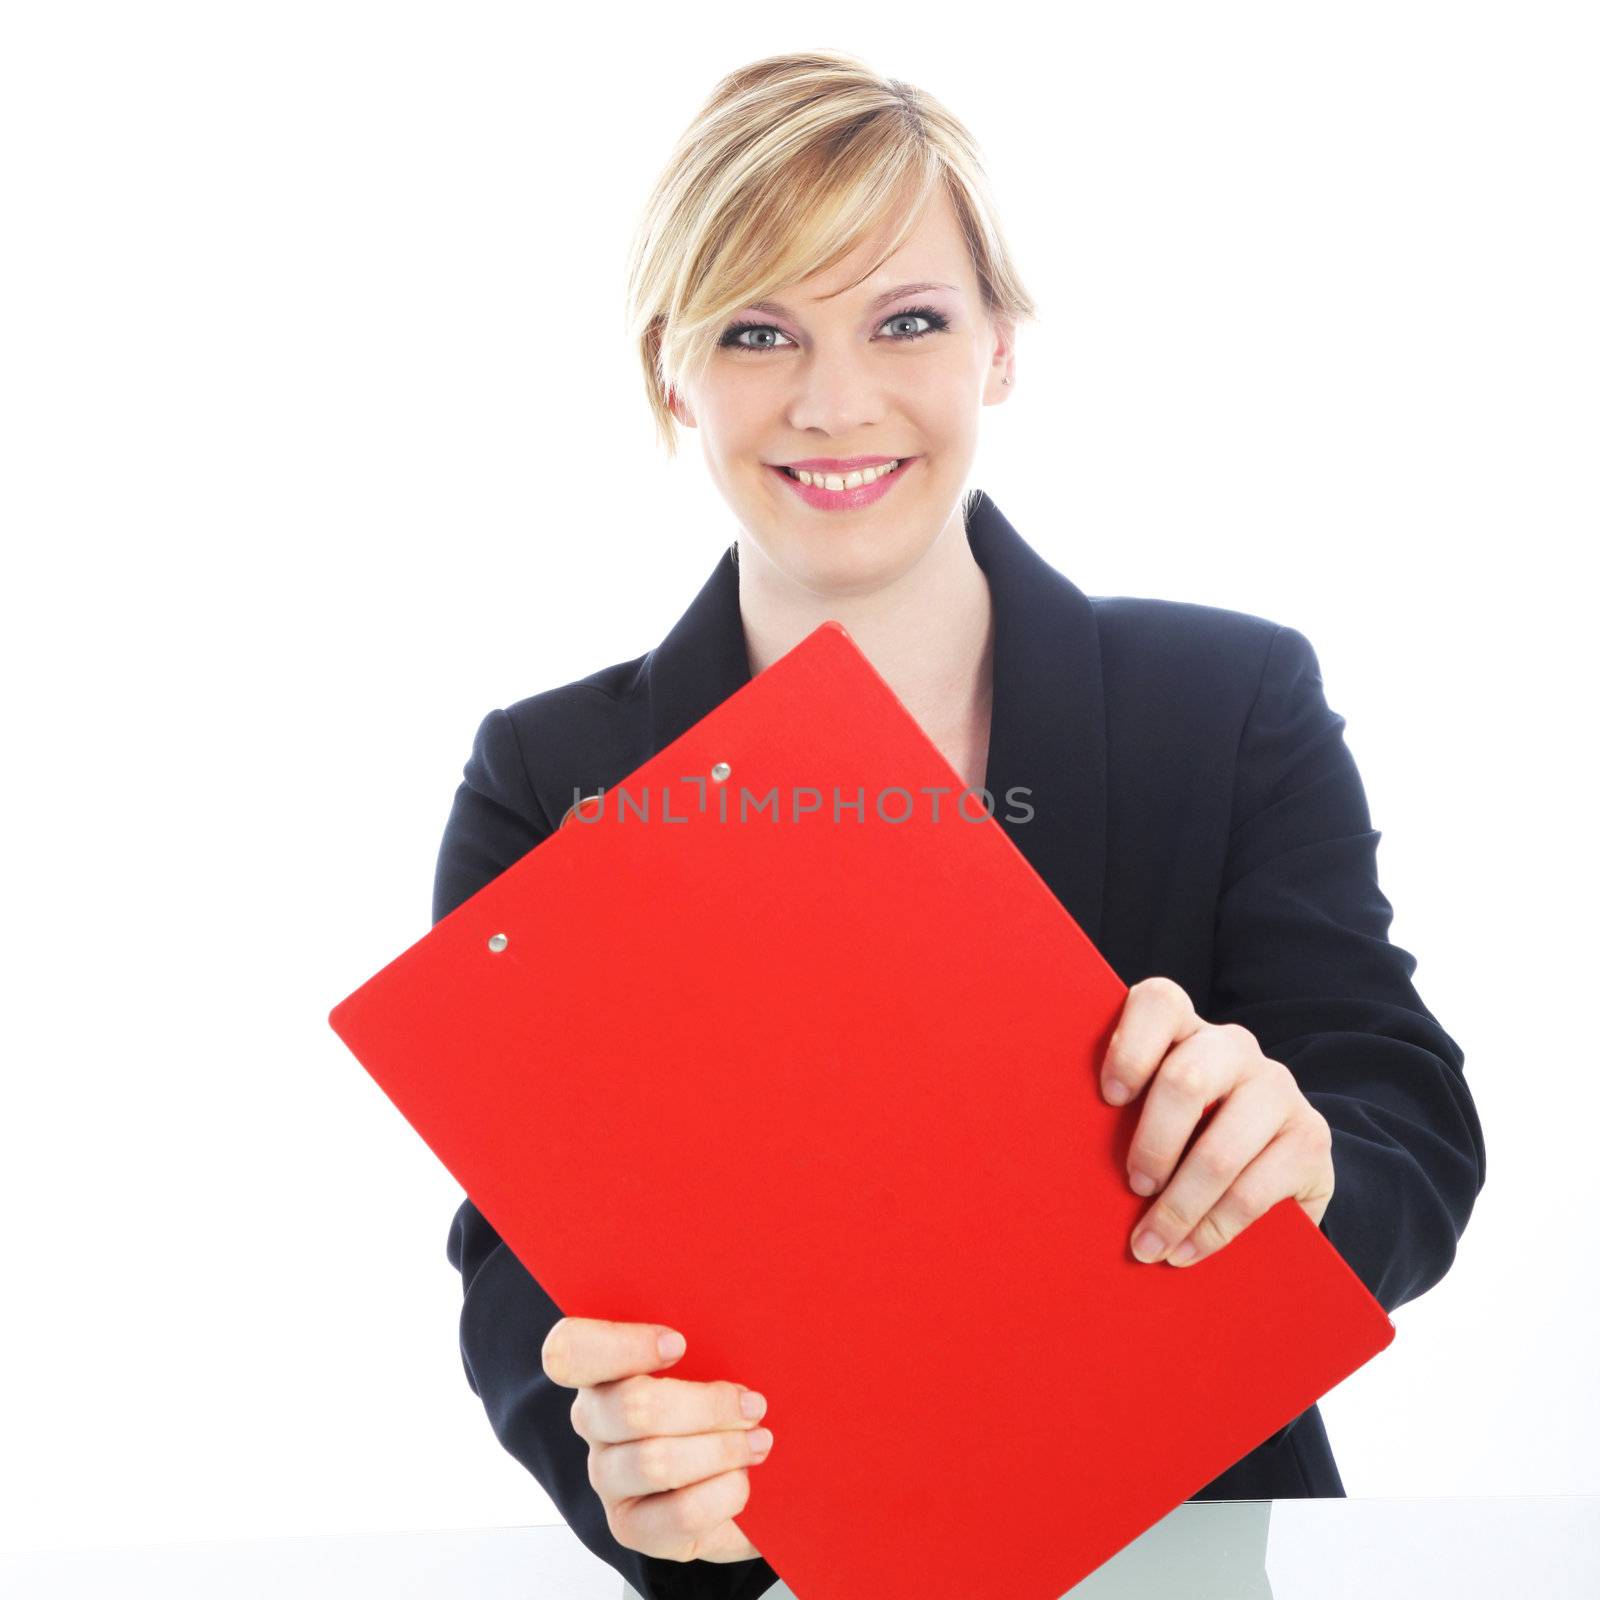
<point>1047,734</point>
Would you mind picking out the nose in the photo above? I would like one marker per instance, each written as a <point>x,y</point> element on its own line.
<point>836,395</point>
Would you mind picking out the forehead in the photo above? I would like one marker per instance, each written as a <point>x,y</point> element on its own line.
<point>933,257</point>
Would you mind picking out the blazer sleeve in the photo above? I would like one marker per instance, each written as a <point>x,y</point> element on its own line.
<point>1302,958</point>
<point>494,821</point>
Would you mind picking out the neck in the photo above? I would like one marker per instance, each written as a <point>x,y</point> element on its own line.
<point>928,631</point>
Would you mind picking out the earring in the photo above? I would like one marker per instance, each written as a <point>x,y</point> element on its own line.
<point>1005,380</point>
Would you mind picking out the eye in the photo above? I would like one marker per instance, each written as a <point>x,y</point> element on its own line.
<point>733,338</point>
<point>932,318</point>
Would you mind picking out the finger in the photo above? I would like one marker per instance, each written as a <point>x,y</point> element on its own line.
<point>1271,1177</point>
<point>589,1350</point>
<point>1155,1015</point>
<point>642,1407</point>
<point>656,1465</point>
<point>684,1524</point>
<point>1250,1119</point>
<point>1199,1070</point>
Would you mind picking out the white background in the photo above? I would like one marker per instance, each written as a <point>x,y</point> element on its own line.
<point>321,439</point>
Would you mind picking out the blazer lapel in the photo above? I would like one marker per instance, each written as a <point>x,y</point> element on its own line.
<point>1047,736</point>
<point>1048,732</point>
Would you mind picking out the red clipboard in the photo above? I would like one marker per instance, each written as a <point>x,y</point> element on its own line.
<point>820,1089</point>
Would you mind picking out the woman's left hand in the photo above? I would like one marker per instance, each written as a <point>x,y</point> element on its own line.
<point>1266,1143</point>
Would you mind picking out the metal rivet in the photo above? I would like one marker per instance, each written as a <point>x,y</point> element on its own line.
<point>497,941</point>
<point>720,772</point>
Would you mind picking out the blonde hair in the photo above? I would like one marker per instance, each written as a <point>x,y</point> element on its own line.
<point>792,163</point>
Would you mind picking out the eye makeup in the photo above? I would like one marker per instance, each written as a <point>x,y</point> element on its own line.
<point>732,338</point>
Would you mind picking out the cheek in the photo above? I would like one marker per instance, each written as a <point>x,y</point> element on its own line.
<point>737,422</point>
<point>942,397</point>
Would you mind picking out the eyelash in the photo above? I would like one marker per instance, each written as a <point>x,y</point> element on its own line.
<point>730,338</point>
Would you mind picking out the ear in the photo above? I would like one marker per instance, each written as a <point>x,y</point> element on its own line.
<point>1002,360</point>
<point>680,407</point>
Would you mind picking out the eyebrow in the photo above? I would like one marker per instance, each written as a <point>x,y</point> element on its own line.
<point>772,308</point>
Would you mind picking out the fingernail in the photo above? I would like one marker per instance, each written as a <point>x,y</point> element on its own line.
<point>760,1441</point>
<point>752,1404</point>
<point>1185,1252</point>
<point>671,1346</point>
<point>1142,1183</point>
<point>1148,1245</point>
<point>1117,1093</point>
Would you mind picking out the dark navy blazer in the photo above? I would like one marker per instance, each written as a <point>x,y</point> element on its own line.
<point>1197,811</point>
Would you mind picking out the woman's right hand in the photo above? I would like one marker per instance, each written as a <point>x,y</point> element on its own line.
<point>668,1457</point>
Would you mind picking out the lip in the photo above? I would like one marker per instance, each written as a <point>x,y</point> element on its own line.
<point>847,499</point>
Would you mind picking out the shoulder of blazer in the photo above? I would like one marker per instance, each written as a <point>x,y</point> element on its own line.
<point>585,735</point>
<point>1178,632</point>
<point>1179,648</point>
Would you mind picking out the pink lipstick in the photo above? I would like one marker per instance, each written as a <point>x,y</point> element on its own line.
<point>865,494</point>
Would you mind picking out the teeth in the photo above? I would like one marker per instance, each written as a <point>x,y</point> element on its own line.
<point>850,480</point>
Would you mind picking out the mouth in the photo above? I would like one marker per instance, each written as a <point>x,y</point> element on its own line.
<point>845,491</point>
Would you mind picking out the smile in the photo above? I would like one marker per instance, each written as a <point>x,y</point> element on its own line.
<point>846,491</point>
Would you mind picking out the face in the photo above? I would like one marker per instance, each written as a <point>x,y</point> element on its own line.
<point>873,372</point>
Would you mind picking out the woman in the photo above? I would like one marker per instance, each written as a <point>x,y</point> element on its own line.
<point>821,289</point>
